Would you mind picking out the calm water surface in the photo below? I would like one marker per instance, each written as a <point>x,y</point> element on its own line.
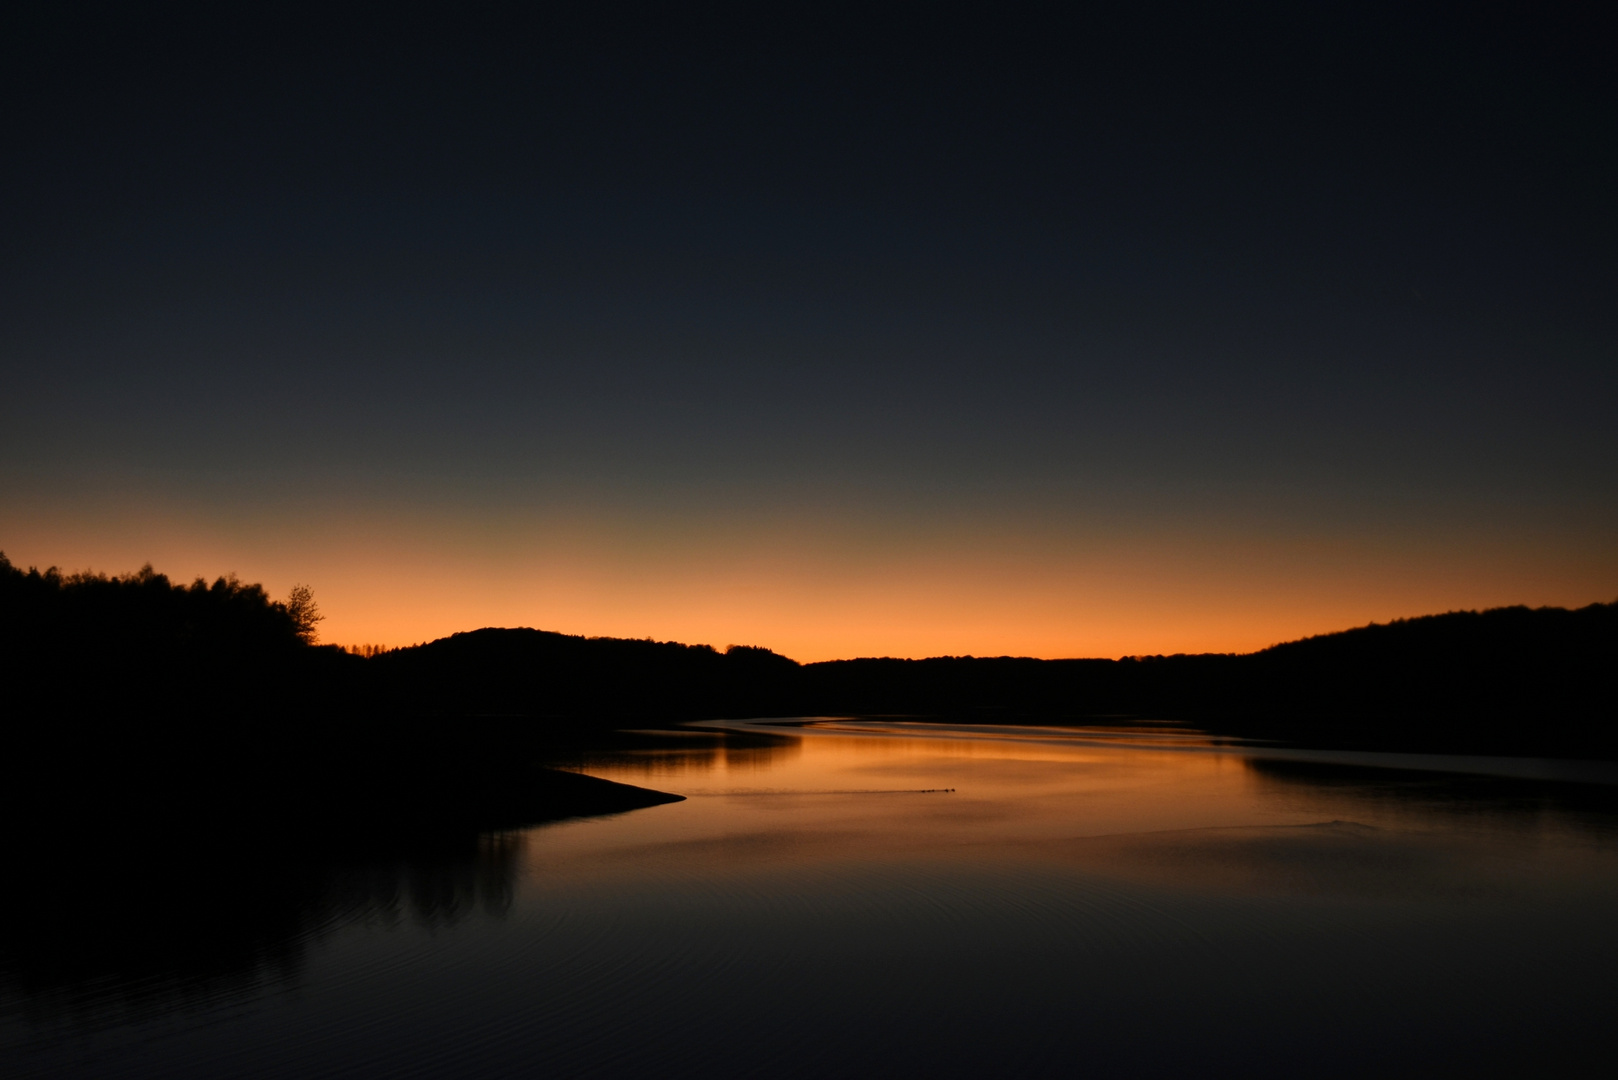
<point>865,898</point>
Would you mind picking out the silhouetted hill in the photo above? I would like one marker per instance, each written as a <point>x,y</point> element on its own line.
<point>220,668</point>
<point>1545,666</point>
<point>1508,680</point>
<point>132,697</point>
<point>552,676</point>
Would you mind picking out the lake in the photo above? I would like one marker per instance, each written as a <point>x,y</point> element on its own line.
<point>870,897</point>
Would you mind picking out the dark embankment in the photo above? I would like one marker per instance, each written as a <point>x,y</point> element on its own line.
<point>179,706</point>
<point>139,669</point>
<point>1506,681</point>
<point>567,679</point>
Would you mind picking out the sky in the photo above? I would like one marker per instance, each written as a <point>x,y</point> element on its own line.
<point>936,329</point>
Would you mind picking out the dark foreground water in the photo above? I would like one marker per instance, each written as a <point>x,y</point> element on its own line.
<point>866,898</point>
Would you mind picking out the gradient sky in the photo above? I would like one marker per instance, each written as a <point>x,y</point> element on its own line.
<point>904,331</point>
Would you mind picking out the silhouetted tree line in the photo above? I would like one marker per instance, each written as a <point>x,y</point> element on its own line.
<point>134,695</point>
<point>139,668</point>
<point>562,678</point>
<point>1505,680</point>
<point>76,643</point>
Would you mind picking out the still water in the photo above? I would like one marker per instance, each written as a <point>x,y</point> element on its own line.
<point>877,898</point>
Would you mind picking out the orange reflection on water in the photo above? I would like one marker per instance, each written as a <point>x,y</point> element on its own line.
<point>1165,805</point>
<point>862,790</point>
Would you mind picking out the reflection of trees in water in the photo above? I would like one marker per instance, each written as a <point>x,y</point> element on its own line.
<point>651,753</point>
<point>1447,798</point>
<point>433,889</point>
<point>96,930</point>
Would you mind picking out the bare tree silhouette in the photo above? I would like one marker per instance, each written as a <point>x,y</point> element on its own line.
<point>304,611</point>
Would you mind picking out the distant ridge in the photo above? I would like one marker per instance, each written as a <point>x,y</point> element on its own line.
<point>1504,680</point>
<point>1478,670</point>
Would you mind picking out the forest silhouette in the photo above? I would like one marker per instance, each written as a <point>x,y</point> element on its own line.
<point>164,698</point>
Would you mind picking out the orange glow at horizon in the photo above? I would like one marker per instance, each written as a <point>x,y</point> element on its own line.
<point>821,590</point>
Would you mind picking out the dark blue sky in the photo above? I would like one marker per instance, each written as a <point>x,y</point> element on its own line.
<point>990,300</point>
